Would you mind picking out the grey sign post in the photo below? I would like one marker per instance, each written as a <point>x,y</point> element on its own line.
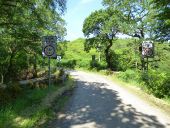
<point>147,52</point>
<point>49,50</point>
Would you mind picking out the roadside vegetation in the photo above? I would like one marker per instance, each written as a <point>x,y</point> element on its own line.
<point>22,26</point>
<point>126,63</point>
<point>142,21</point>
<point>34,106</point>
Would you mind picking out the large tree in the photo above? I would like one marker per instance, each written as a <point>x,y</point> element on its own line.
<point>101,28</point>
<point>138,16</point>
<point>139,19</point>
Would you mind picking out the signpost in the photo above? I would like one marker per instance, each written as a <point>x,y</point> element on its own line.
<point>49,50</point>
<point>147,51</point>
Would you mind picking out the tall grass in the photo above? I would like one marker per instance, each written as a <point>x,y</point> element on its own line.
<point>25,110</point>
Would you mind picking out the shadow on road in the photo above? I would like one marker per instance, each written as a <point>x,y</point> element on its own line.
<point>94,106</point>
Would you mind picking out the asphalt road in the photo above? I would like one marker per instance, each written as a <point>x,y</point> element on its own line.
<point>99,103</point>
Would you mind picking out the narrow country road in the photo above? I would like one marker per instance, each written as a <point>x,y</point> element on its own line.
<point>99,103</point>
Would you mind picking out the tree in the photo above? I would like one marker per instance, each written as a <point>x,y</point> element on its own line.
<point>22,24</point>
<point>163,19</point>
<point>101,28</point>
<point>138,16</point>
<point>139,19</point>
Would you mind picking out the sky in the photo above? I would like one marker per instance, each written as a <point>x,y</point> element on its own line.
<point>77,11</point>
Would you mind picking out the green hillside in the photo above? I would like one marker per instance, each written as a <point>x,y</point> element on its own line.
<point>76,56</point>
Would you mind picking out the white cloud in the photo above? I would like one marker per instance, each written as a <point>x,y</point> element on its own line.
<point>86,1</point>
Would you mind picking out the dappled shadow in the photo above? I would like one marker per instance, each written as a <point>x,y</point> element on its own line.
<point>94,106</point>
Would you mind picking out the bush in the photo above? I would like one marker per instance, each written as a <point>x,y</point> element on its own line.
<point>69,64</point>
<point>4,96</point>
<point>60,76</point>
<point>157,83</point>
<point>129,75</point>
<point>82,63</point>
<point>9,92</point>
<point>97,65</point>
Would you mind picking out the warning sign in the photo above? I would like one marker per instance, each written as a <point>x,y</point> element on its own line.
<point>147,49</point>
<point>49,47</point>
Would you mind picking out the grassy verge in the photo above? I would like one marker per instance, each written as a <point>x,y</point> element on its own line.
<point>33,107</point>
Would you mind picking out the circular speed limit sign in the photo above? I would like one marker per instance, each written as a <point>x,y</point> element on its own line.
<point>49,50</point>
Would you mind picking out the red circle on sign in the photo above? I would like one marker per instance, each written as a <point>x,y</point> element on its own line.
<point>49,50</point>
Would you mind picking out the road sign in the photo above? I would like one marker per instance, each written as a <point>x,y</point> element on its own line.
<point>49,48</point>
<point>59,58</point>
<point>147,49</point>
<point>49,39</point>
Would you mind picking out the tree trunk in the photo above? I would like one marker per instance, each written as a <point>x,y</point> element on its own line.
<point>142,59</point>
<point>2,78</point>
<point>142,33</point>
<point>107,55</point>
<point>8,74</point>
<point>35,66</point>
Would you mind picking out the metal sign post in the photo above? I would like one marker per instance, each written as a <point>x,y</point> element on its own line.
<point>49,50</point>
<point>49,72</point>
<point>147,52</point>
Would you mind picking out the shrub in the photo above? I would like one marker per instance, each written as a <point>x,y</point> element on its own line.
<point>14,90</point>
<point>9,92</point>
<point>68,64</point>
<point>4,96</point>
<point>60,76</point>
<point>157,83</point>
<point>129,75</point>
<point>82,63</point>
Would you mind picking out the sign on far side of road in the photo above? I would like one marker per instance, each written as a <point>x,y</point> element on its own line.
<point>148,49</point>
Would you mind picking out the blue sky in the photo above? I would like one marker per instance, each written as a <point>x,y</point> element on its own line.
<point>77,11</point>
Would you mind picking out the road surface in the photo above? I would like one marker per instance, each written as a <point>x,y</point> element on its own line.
<point>99,103</point>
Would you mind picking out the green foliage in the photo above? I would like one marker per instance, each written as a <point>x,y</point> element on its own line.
<point>68,64</point>
<point>159,85</point>
<point>125,54</point>
<point>125,57</point>
<point>139,19</point>
<point>103,26</point>
<point>25,111</point>
<point>97,65</point>
<point>22,24</point>
<point>31,108</point>
<point>8,93</point>
<point>75,56</point>
<point>163,18</point>
<point>162,53</point>
<point>129,75</point>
